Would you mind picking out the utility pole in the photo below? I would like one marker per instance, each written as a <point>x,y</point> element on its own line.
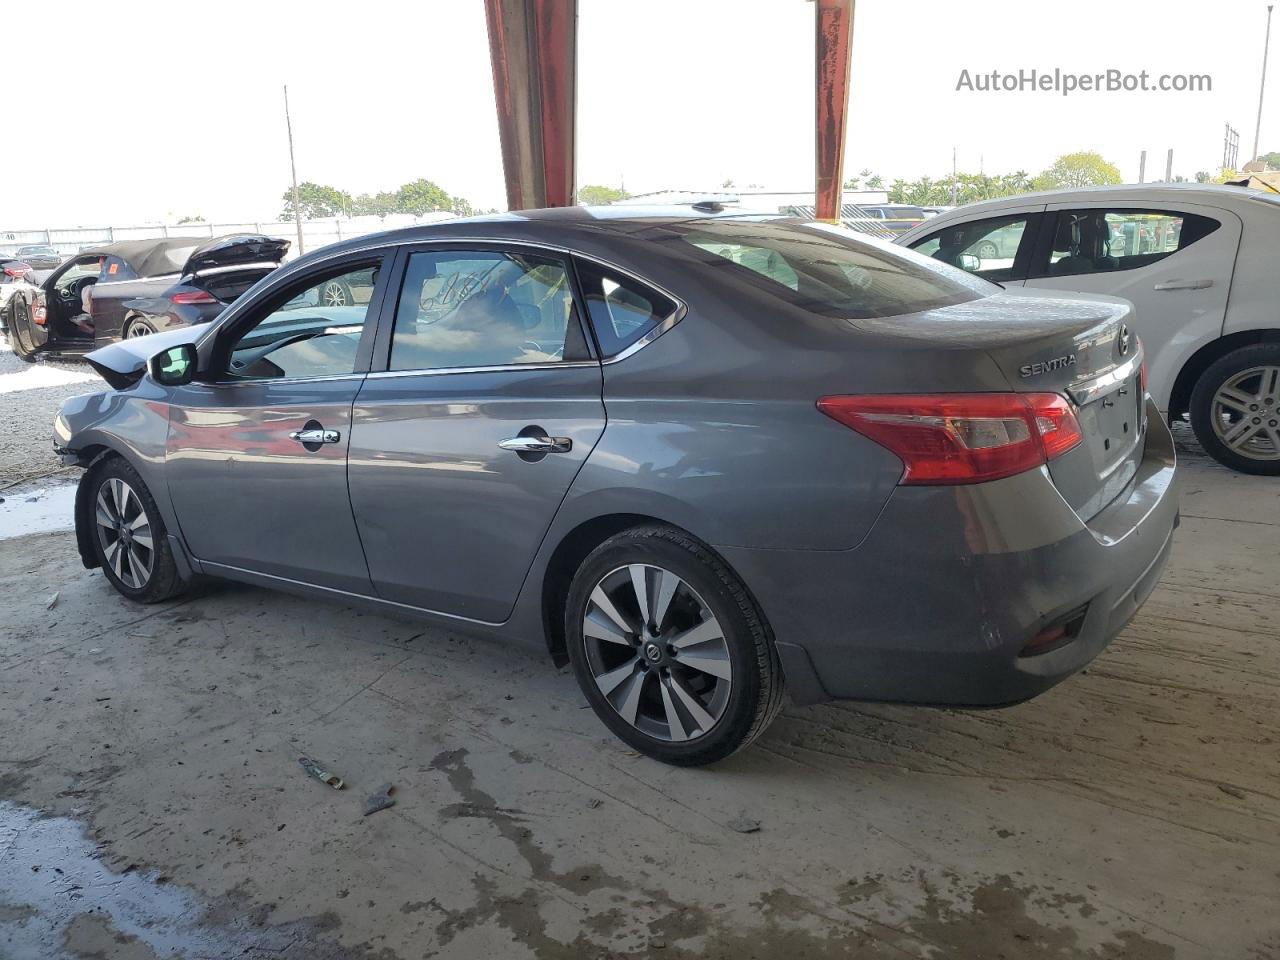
<point>1262,85</point>
<point>1142,167</point>
<point>293,170</point>
<point>954,184</point>
<point>1168,167</point>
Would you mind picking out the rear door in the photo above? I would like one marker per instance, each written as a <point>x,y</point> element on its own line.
<point>1173,261</point>
<point>484,402</point>
<point>257,461</point>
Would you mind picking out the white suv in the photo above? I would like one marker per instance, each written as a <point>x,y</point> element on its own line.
<point>1200,264</point>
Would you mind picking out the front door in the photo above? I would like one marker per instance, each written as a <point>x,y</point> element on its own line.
<point>257,460</point>
<point>1174,262</point>
<point>464,444</point>
<point>996,248</point>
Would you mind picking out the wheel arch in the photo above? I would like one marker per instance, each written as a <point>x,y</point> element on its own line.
<point>1199,362</point>
<point>565,560</point>
<point>90,457</point>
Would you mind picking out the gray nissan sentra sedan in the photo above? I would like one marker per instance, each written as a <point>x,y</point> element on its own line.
<point>702,458</point>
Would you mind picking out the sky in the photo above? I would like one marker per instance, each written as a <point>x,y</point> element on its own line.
<point>161,110</point>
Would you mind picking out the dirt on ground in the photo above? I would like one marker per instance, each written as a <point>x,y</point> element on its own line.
<point>152,803</point>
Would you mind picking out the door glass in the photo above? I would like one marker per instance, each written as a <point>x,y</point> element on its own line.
<point>983,247</point>
<point>484,308</point>
<point>313,332</point>
<point>1099,241</point>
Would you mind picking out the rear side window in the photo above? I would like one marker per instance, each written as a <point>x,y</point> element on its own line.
<point>1102,241</point>
<point>113,268</point>
<point>829,272</point>
<point>622,309</point>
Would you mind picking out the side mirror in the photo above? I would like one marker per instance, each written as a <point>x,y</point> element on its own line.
<point>969,263</point>
<point>175,366</point>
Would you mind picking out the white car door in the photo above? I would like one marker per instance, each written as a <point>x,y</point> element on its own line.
<point>1174,261</point>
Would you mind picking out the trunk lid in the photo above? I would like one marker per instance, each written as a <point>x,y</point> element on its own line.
<point>235,250</point>
<point>1077,345</point>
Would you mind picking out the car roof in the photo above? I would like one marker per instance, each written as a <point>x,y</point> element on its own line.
<point>574,227</point>
<point>1212,193</point>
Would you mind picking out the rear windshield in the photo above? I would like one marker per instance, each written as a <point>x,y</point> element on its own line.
<point>828,271</point>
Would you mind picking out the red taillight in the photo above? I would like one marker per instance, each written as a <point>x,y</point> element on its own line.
<point>193,296</point>
<point>16,272</point>
<point>946,438</point>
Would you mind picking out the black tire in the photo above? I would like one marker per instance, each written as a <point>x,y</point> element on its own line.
<point>1218,374</point>
<point>162,581</point>
<point>754,694</point>
<point>20,333</point>
<point>986,250</point>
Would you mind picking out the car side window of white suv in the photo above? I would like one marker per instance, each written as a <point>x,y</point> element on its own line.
<point>987,248</point>
<point>1101,241</point>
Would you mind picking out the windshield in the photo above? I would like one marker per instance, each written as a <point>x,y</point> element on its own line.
<point>829,271</point>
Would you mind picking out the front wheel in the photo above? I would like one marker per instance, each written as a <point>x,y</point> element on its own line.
<point>669,648</point>
<point>1235,409</point>
<point>129,534</point>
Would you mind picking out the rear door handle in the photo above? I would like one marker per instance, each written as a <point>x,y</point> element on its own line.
<point>537,444</point>
<point>315,436</point>
<point>1183,284</point>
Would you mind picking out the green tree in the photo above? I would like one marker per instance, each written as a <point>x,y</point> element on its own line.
<point>1272,160</point>
<point>196,219</point>
<point>1082,169</point>
<point>316,200</point>
<point>422,196</point>
<point>593,194</point>
<point>1204,176</point>
<point>379,204</point>
<point>958,189</point>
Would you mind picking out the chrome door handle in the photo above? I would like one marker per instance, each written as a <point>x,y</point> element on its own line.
<point>1183,284</point>
<point>537,444</point>
<point>315,436</point>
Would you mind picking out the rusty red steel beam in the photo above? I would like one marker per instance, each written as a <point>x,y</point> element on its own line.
<point>834,53</point>
<point>533,52</point>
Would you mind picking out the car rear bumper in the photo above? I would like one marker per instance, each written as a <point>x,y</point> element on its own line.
<point>940,601</point>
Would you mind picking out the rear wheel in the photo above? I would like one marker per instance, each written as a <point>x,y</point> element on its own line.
<point>1235,409</point>
<point>20,332</point>
<point>669,649</point>
<point>138,328</point>
<point>129,535</point>
<point>987,250</point>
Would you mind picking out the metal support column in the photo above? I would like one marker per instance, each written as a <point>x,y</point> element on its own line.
<point>533,50</point>
<point>834,49</point>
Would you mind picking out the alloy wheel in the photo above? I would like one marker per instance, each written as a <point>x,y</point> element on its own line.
<point>124,533</point>
<point>1245,412</point>
<point>657,653</point>
<point>334,295</point>
<point>137,329</point>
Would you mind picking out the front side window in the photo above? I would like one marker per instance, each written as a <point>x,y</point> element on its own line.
<point>302,333</point>
<point>986,248</point>
<point>484,308</point>
<point>829,271</point>
<point>1100,241</point>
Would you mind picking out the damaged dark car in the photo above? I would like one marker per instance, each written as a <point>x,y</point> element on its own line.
<point>136,288</point>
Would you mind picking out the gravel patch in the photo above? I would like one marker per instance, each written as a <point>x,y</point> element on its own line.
<point>30,395</point>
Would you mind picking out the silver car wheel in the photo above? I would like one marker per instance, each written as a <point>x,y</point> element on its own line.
<point>334,295</point>
<point>124,533</point>
<point>1246,413</point>
<point>657,653</point>
<point>137,329</point>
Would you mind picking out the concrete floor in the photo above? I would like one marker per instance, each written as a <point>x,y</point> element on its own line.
<point>152,805</point>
